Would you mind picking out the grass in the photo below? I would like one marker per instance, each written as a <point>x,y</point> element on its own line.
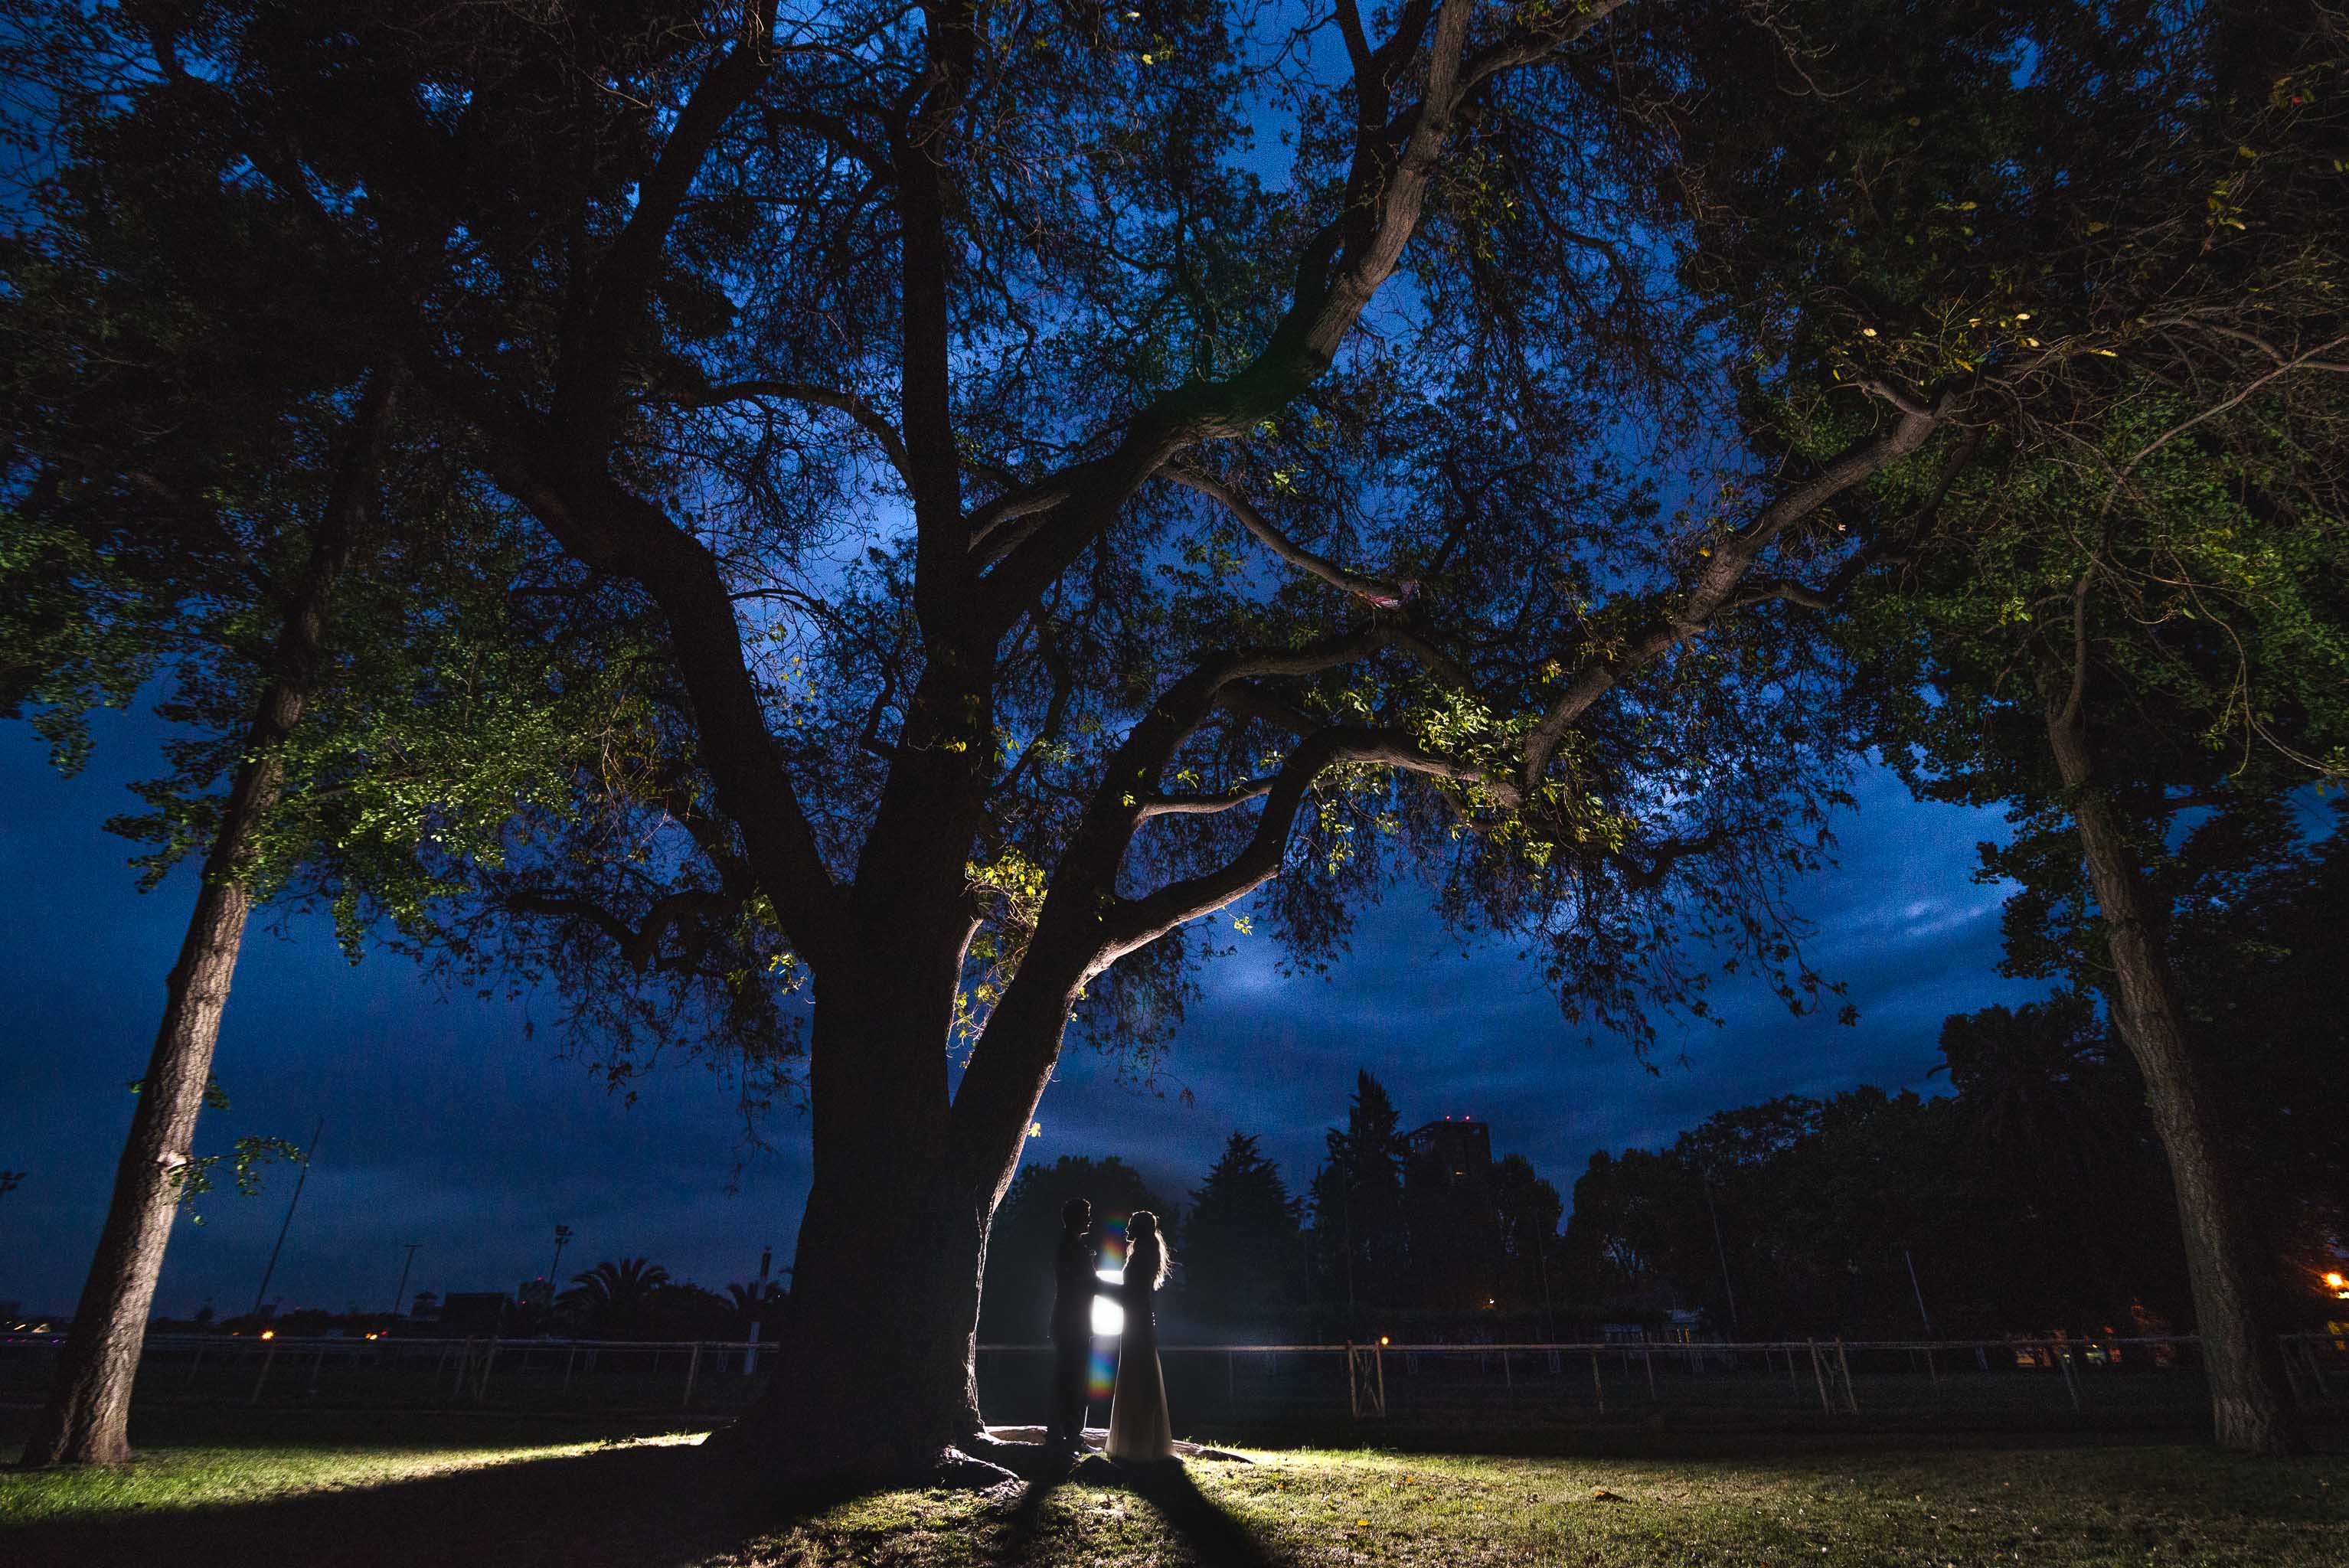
<point>209,1459</point>
<point>442,1490</point>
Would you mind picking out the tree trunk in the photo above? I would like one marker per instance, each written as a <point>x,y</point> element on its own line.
<point>87,1418</point>
<point>876,1375</point>
<point>2251,1403</point>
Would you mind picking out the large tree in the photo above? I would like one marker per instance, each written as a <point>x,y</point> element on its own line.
<point>1361,1240</point>
<point>1067,520</point>
<point>211,496</point>
<point>1243,1252</point>
<point>2117,238</point>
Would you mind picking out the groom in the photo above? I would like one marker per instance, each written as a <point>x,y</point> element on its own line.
<point>1073,1284</point>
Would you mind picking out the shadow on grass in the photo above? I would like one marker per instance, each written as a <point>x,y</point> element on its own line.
<point>670,1505</point>
<point>1213,1534</point>
<point>651,1507</point>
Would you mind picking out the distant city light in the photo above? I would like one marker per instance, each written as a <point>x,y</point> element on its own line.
<point>269,1334</point>
<point>1383,1339</point>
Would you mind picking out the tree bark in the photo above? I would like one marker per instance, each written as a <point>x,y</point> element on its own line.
<point>2251,1405</point>
<point>87,1418</point>
<point>876,1374</point>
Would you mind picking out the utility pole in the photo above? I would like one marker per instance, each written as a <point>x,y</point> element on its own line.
<point>1541,1261</point>
<point>308,1155</point>
<point>1919,1289</point>
<point>1722,1252</point>
<point>399,1291</point>
<point>1348,1178</point>
<point>554,1269</point>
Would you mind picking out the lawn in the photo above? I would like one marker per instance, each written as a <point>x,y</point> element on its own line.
<point>443,1491</point>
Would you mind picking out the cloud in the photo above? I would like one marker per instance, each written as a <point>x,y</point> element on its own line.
<point>447,1125</point>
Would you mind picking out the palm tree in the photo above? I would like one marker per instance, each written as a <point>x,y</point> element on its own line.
<point>752,1302</point>
<point>612,1301</point>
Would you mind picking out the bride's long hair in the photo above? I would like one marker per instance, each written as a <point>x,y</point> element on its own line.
<point>1145,1249</point>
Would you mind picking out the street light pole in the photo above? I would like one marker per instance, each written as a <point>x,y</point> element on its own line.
<point>1919,1289</point>
<point>1722,1252</point>
<point>308,1155</point>
<point>400,1291</point>
<point>554,1270</point>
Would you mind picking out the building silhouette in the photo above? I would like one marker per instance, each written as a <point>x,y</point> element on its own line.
<point>1447,1197</point>
<point>1454,1154</point>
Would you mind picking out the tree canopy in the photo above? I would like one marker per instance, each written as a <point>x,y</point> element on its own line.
<point>1075,470</point>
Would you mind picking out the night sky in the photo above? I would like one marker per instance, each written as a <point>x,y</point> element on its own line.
<point>445,1125</point>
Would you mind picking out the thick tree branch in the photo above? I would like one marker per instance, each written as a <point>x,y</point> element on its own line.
<point>639,946</point>
<point>1202,805</point>
<point>1385,595</point>
<point>1136,922</point>
<point>605,525</point>
<point>588,373</point>
<point>1026,538</point>
<point>1726,570</point>
<point>926,265</point>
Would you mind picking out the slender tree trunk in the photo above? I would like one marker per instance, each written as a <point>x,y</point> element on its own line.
<point>2251,1403</point>
<point>87,1418</point>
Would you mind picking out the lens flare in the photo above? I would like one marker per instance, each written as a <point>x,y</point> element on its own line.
<point>1112,1252</point>
<point>1108,1317</point>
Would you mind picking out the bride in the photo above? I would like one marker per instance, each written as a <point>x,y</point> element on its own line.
<point>1138,1427</point>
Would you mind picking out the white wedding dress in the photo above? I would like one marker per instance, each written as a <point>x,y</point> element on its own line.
<point>1138,1424</point>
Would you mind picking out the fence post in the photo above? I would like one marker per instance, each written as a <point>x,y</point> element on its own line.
<point>267,1356</point>
<point>692,1370</point>
<point>1230,1393</point>
<point>1596,1386</point>
<point>1508,1383</point>
<point>482,1389</point>
<point>1819,1371</point>
<point>569,1362</point>
<point>1843,1365</point>
<point>1648,1355</point>
<point>317,1363</point>
<point>193,1368</point>
<point>2071,1385</point>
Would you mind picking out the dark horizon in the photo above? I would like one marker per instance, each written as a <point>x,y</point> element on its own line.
<point>444,1124</point>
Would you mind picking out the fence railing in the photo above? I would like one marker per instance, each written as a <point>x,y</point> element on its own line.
<point>2123,1381</point>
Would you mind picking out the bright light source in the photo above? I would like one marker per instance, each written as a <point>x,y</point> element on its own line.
<point>1383,1339</point>
<point>1108,1317</point>
<point>2336,1281</point>
<point>269,1334</point>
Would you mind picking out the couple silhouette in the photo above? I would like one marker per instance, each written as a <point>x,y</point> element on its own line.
<point>1139,1430</point>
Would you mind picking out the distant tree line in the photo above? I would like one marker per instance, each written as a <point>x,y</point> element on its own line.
<point>2036,1197</point>
<point>1366,1248</point>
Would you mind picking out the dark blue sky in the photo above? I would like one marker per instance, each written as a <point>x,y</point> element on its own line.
<point>445,1125</point>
